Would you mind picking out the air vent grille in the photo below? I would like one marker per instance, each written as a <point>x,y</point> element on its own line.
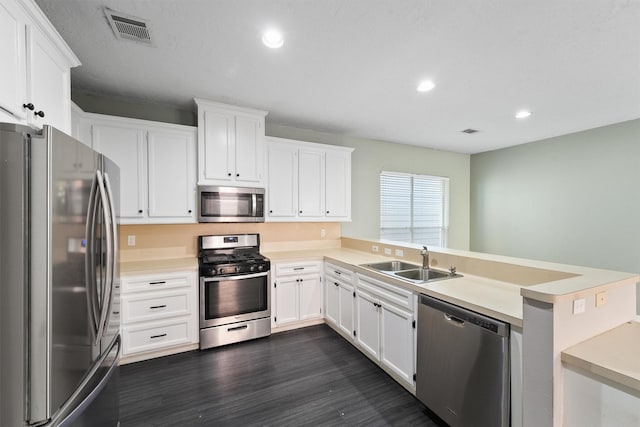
<point>129,27</point>
<point>470,131</point>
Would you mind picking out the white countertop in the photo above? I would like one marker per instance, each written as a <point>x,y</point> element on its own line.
<point>614,355</point>
<point>490,297</point>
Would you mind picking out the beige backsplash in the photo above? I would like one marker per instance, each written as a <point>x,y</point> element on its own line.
<point>181,240</point>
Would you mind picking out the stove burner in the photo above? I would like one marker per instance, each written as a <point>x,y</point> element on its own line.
<point>219,258</point>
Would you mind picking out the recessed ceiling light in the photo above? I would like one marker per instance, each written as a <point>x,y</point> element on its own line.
<point>523,114</point>
<point>272,38</point>
<point>425,86</point>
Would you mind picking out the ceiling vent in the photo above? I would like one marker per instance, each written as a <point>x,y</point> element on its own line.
<point>470,131</point>
<point>127,27</point>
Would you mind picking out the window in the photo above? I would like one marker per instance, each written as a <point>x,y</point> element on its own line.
<point>414,208</point>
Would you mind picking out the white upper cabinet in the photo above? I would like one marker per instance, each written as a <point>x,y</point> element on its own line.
<point>124,144</point>
<point>171,160</point>
<point>282,163</point>
<point>338,185</point>
<point>230,145</point>
<point>35,86</point>
<point>157,166</point>
<point>307,181</point>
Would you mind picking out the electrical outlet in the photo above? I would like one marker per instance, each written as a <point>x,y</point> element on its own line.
<point>399,252</point>
<point>601,298</point>
<point>131,240</point>
<point>387,251</point>
<point>374,248</point>
<point>579,306</point>
<point>323,232</point>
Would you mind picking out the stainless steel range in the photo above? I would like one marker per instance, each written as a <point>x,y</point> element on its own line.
<point>235,302</point>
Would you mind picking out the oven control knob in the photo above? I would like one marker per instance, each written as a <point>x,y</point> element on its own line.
<point>221,271</point>
<point>261,267</point>
<point>252,268</point>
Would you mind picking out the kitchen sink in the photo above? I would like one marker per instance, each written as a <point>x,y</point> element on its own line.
<point>422,274</point>
<point>411,272</point>
<point>391,266</point>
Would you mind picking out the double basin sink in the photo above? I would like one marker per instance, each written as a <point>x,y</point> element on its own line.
<point>411,272</point>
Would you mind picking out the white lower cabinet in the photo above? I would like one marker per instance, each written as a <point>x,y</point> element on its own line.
<point>339,298</point>
<point>297,293</point>
<point>159,314</point>
<point>385,327</point>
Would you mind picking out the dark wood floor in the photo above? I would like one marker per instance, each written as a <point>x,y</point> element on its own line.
<point>309,376</point>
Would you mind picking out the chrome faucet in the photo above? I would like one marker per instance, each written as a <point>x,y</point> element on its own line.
<point>425,257</point>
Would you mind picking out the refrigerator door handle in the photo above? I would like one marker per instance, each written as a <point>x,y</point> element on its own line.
<point>114,250</point>
<point>106,286</point>
<point>90,261</point>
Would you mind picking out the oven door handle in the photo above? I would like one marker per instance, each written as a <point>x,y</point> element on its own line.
<point>237,277</point>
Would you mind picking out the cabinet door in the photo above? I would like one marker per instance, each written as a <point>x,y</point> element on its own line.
<point>346,308</point>
<point>286,292</point>
<point>368,327</point>
<point>310,297</point>
<point>332,301</point>
<point>13,71</point>
<point>311,183</point>
<point>282,194</point>
<point>171,162</point>
<point>48,82</point>
<point>125,146</point>
<point>249,143</point>
<point>338,185</point>
<point>397,334</point>
<point>216,154</point>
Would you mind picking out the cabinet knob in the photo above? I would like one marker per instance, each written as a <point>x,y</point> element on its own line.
<point>28,106</point>
<point>237,174</point>
<point>229,174</point>
<point>189,210</point>
<point>39,113</point>
<point>327,211</point>
<point>270,211</point>
<point>300,211</point>
<point>139,211</point>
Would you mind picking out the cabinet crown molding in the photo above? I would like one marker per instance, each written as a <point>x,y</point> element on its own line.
<point>213,105</point>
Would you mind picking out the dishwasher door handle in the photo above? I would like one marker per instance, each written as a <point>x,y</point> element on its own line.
<point>457,321</point>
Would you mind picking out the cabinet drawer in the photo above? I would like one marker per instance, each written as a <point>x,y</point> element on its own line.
<point>155,283</point>
<point>153,306</point>
<point>290,269</point>
<point>335,272</point>
<point>155,336</point>
<point>387,291</point>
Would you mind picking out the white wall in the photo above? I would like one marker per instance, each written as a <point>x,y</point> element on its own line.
<point>572,199</point>
<point>371,156</point>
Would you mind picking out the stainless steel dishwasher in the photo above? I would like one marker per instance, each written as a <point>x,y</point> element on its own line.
<point>463,365</point>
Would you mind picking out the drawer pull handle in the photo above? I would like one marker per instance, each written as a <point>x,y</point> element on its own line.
<point>336,283</point>
<point>298,268</point>
<point>154,307</point>
<point>237,328</point>
<point>337,272</point>
<point>158,283</point>
<point>158,336</point>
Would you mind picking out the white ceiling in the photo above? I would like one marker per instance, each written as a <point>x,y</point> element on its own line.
<point>352,66</point>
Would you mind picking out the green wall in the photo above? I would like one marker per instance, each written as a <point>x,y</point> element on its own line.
<point>369,158</point>
<point>572,199</point>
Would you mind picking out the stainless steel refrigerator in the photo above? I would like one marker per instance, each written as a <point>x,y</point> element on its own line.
<point>59,281</point>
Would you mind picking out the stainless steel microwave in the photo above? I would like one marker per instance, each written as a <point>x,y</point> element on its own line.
<point>230,204</point>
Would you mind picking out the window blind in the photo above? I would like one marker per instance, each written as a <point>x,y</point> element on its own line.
<point>414,208</point>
